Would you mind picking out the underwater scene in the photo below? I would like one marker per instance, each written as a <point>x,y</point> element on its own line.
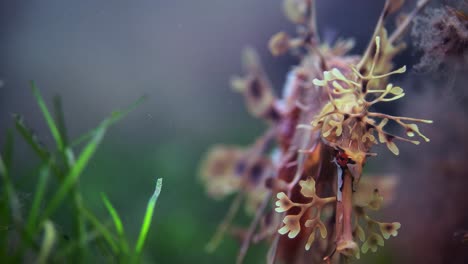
<point>247,131</point>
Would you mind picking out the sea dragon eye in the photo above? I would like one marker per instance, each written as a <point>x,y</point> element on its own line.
<point>342,159</point>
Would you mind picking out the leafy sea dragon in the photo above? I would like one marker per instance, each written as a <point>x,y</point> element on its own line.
<point>323,129</point>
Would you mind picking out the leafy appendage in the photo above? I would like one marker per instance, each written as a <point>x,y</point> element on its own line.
<point>369,231</point>
<point>346,118</point>
<point>292,225</point>
<point>218,170</point>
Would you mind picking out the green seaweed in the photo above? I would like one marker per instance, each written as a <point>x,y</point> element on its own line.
<point>39,236</point>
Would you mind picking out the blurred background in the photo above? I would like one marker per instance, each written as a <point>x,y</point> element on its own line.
<point>102,55</point>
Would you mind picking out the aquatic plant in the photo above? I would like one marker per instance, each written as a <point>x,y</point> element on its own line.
<point>30,233</point>
<point>321,132</point>
<point>442,36</point>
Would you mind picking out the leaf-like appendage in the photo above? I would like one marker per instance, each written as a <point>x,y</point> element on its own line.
<point>292,225</point>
